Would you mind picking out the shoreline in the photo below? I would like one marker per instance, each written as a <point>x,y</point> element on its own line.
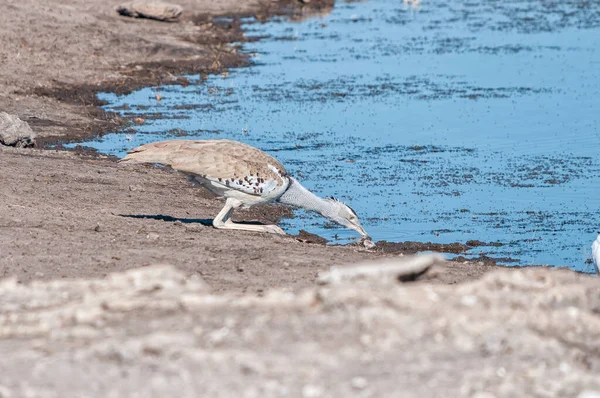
<point>55,91</point>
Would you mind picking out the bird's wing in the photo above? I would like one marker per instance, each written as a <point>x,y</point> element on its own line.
<point>229,163</point>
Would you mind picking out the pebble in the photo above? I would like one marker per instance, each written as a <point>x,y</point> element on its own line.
<point>359,383</point>
<point>589,394</point>
<point>368,243</point>
<point>152,236</point>
<point>389,269</point>
<point>468,300</point>
<point>194,228</point>
<point>484,394</point>
<point>134,188</point>
<point>311,391</point>
<point>152,10</point>
<point>15,132</point>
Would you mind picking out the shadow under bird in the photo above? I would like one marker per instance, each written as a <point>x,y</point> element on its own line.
<point>245,176</point>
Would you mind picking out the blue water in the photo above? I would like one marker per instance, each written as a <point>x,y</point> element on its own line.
<point>442,121</point>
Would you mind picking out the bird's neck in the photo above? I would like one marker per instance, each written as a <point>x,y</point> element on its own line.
<point>298,196</point>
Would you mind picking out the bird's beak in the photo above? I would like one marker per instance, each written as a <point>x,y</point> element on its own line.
<point>361,231</point>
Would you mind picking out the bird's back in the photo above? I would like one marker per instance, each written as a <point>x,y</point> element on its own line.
<point>216,159</point>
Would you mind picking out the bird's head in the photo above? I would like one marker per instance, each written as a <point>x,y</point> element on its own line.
<point>342,214</point>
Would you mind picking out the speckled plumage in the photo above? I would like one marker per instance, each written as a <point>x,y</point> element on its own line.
<point>219,165</point>
<point>223,159</point>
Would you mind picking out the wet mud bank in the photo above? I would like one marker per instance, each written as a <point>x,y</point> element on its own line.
<point>59,56</point>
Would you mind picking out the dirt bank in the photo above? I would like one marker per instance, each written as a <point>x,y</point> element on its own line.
<point>56,55</point>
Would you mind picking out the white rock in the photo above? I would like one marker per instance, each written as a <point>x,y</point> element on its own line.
<point>151,10</point>
<point>386,269</point>
<point>312,391</point>
<point>359,383</point>
<point>15,132</point>
<point>589,394</point>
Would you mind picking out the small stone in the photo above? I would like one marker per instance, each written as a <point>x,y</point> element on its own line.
<point>311,391</point>
<point>15,132</point>
<point>564,367</point>
<point>194,228</point>
<point>98,228</point>
<point>139,120</point>
<point>589,394</point>
<point>468,300</point>
<point>359,383</point>
<point>134,188</point>
<point>384,270</point>
<point>152,10</point>
<point>368,243</point>
<point>484,394</point>
<point>152,236</point>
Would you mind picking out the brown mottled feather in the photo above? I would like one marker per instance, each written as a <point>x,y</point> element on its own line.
<point>213,158</point>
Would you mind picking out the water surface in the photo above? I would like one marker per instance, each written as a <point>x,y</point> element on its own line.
<point>442,121</point>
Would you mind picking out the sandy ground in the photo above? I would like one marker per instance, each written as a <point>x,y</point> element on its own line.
<point>235,314</point>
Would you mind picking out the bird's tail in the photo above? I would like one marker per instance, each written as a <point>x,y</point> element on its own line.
<point>155,152</point>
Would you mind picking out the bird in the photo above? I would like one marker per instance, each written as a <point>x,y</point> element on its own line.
<point>596,254</point>
<point>244,176</point>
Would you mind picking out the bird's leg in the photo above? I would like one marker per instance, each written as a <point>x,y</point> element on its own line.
<point>223,220</point>
<point>225,214</point>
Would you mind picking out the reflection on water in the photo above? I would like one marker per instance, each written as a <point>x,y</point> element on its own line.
<point>438,121</point>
